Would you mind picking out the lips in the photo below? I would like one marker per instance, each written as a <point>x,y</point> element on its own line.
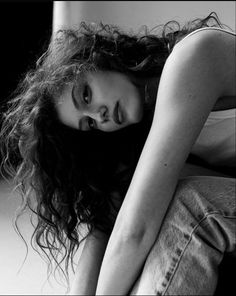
<point>117,116</point>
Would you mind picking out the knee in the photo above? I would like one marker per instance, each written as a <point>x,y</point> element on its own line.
<point>188,195</point>
<point>207,194</point>
<point>189,205</point>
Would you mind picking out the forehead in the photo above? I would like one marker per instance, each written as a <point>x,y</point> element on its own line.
<point>65,108</point>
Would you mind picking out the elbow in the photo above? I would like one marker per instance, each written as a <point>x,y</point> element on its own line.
<point>135,233</point>
<point>135,236</point>
<point>138,242</point>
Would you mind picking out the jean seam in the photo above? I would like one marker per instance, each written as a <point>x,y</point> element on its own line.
<point>189,240</point>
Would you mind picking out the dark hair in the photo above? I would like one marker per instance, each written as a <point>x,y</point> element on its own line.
<point>60,176</point>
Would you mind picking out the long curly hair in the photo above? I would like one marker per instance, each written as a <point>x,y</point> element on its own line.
<point>60,176</point>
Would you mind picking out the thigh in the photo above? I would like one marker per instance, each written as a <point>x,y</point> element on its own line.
<point>196,199</point>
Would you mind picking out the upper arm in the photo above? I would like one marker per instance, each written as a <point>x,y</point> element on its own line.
<point>94,248</point>
<point>95,241</point>
<point>89,264</point>
<point>189,87</point>
<point>191,83</point>
<point>61,15</point>
<point>97,237</point>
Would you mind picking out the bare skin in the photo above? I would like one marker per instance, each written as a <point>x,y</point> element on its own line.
<point>101,100</point>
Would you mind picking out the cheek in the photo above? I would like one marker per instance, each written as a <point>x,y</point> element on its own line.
<point>138,111</point>
<point>104,93</point>
<point>132,108</point>
<point>135,106</point>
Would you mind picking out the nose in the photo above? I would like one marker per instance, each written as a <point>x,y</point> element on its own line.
<point>100,115</point>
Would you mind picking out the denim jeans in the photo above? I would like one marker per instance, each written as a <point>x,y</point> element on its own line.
<point>199,227</point>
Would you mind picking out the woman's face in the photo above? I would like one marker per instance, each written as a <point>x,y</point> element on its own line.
<point>101,100</point>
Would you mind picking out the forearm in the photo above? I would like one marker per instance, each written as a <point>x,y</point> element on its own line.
<point>86,276</point>
<point>121,265</point>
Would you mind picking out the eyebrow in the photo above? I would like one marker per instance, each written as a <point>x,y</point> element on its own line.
<point>76,104</point>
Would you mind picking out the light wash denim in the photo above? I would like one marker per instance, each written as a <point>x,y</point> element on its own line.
<point>200,226</point>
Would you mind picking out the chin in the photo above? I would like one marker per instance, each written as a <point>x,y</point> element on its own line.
<point>139,113</point>
<point>134,111</point>
<point>138,116</point>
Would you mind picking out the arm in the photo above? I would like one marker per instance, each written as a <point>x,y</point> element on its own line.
<point>192,80</point>
<point>86,276</point>
<point>85,281</point>
<point>61,15</point>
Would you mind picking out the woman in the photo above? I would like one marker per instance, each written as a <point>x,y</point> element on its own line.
<point>99,133</point>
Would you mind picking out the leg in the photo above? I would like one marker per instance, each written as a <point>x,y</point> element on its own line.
<point>199,227</point>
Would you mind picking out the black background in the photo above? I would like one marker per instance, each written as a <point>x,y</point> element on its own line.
<point>26,28</point>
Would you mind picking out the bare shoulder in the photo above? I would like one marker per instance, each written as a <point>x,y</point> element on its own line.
<point>210,47</point>
<point>217,37</point>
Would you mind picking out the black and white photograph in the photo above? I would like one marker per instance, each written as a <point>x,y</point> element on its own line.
<point>118,148</point>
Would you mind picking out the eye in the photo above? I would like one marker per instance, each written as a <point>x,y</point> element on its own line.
<point>91,123</point>
<point>86,94</point>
